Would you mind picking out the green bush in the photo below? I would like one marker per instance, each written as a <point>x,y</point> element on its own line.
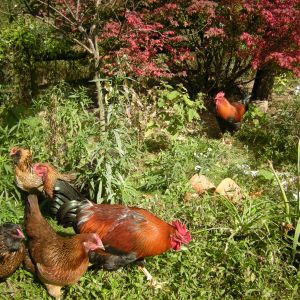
<point>63,129</point>
<point>175,109</point>
<point>168,112</point>
<point>273,135</point>
<point>27,48</point>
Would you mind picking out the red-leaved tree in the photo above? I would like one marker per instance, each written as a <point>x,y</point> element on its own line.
<point>217,44</point>
<point>274,41</point>
<point>116,34</point>
<point>231,39</point>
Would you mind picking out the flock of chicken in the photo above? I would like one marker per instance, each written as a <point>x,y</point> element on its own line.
<point>110,236</point>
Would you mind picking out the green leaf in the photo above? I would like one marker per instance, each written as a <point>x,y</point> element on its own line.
<point>283,195</point>
<point>119,143</point>
<point>296,238</point>
<point>188,101</point>
<point>172,95</point>
<point>160,103</point>
<point>266,174</point>
<point>191,115</point>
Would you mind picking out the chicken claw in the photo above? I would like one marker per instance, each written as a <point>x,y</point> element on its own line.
<point>151,280</point>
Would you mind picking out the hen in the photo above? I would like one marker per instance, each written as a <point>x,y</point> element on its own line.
<point>229,115</point>
<point>25,178</point>
<point>12,249</point>
<point>58,260</point>
<point>128,233</point>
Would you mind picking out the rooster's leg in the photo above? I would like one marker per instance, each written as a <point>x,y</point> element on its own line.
<point>149,277</point>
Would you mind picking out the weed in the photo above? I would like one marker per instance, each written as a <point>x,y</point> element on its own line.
<point>292,212</point>
<point>273,135</point>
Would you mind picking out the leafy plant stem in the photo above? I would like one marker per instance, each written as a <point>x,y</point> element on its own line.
<point>284,197</point>
<point>296,238</point>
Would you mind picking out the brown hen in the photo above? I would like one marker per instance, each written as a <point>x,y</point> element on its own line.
<point>58,260</point>
<point>12,249</point>
<point>25,178</point>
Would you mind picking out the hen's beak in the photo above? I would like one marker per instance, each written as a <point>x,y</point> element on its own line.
<point>12,152</point>
<point>20,234</point>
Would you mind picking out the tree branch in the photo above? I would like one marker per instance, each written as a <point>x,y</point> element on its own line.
<point>70,10</point>
<point>58,29</point>
<point>57,11</point>
<point>84,46</point>
<point>77,9</point>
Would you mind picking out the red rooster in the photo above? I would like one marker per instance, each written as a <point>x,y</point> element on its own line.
<point>128,233</point>
<point>229,115</point>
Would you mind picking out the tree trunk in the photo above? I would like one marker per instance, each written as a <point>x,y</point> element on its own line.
<point>263,83</point>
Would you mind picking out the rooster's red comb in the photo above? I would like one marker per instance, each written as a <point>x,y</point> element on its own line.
<point>182,231</point>
<point>220,95</point>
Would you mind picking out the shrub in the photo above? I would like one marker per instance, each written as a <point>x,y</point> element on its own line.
<point>165,113</point>
<point>273,135</point>
<point>63,129</point>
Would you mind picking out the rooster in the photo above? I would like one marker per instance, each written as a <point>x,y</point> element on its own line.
<point>57,260</point>
<point>229,115</point>
<point>12,249</point>
<point>25,179</point>
<point>129,234</point>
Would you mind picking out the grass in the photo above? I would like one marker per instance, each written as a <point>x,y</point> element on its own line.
<point>237,251</point>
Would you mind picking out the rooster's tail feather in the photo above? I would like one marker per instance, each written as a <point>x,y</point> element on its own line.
<point>66,201</point>
<point>246,101</point>
<point>63,188</point>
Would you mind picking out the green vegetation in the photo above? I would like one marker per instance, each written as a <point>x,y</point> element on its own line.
<point>237,251</point>
<point>111,93</point>
<point>273,135</point>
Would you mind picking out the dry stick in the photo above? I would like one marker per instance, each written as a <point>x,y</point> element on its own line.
<point>77,8</point>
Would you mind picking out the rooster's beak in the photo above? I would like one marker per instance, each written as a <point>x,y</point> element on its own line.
<point>101,246</point>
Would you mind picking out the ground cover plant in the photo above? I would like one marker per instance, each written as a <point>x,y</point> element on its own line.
<point>237,251</point>
<point>121,93</point>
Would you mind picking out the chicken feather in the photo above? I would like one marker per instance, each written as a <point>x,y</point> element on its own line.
<point>58,260</point>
